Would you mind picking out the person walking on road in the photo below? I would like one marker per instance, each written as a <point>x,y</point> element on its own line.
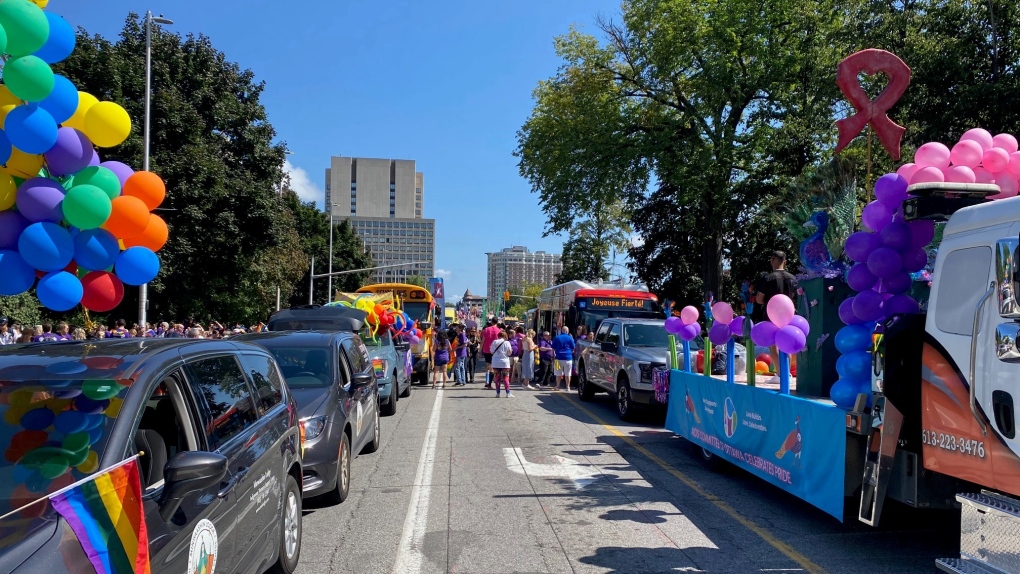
<point>528,359</point>
<point>473,343</point>
<point>440,358</point>
<point>459,368</point>
<point>563,346</point>
<point>546,356</point>
<point>501,352</point>
<point>488,338</point>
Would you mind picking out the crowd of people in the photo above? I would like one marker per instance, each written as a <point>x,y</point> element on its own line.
<point>14,333</point>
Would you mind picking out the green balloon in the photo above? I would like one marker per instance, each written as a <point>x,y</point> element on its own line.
<point>78,457</point>
<point>98,176</point>
<point>100,390</point>
<point>26,27</point>
<point>86,207</point>
<point>28,77</point>
<point>3,39</point>
<point>54,467</point>
<point>76,441</point>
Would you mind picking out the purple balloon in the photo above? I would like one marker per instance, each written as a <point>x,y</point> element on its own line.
<point>673,325</point>
<point>70,154</point>
<point>915,260</point>
<point>867,306</point>
<point>719,334</point>
<point>123,171</point>
<point>876,216</point>
<point>846,312</point>
<point>737,326</point>
<point>859,278</point>
<point>764,333</point>
<point>900,305</point>
<point>801,323</point>
<point>891,190</point>
<point>898,283</point>
<point>791,340</point>
<point>859,245</point>
<point>690,332</point>
<point>40,199</point>
<point>12,224</point>
<point>95,158</point>
<point>922,231</point>
<point>896,236</point>
<point>884,262</point>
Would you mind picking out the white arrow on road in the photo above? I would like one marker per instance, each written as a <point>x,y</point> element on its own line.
<point>581,474</point>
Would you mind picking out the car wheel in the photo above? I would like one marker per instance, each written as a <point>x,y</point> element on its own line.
<point>390,408</point>
<point>584,389</point>
<point>376,436</point>
<point>624,405</point>
<point>707,457</point>
<point>290,530</point>
<point>343,472</point>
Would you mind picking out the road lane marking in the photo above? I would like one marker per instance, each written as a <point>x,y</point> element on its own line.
<point>411,555</point>
<point>580,474</point>
<point>803,561</point>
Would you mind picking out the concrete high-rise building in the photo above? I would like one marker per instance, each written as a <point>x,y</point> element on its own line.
<point>516,266</point>
<point>387,201</point>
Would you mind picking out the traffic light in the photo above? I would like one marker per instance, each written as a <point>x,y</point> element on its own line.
<point>506,295</point>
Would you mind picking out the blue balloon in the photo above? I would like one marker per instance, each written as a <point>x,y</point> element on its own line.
<point>16,276</point>
<point>95,435</point>
<point>89,406</point>
<point>857,366</point>
<point>95,249</point>
<point>6,149</point>
<point>46,246</point>
<point>95,421</point>
<point>62,101</point>
<point>60,42</point>
<point>66,368</point>
<point>844,393</point>
<point>71,421</point>
<point>37,419</point>
<point>59,291</point>
<point>136,266</point>
<point>31,129</point>
<point>853,338</point>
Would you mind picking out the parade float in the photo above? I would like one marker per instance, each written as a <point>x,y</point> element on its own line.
<point>922,411</point>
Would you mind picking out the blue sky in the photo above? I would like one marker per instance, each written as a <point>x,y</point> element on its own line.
<point>447,84</point>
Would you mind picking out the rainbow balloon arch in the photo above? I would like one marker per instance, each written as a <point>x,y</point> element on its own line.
<point>82,227</point>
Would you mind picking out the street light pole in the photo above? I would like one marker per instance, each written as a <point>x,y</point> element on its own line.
<point>143,290</point>
<point>329,283</point>
<point>286,152</point>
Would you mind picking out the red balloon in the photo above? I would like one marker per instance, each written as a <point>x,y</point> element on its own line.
<point>102,291</point>
<point>765,358</point>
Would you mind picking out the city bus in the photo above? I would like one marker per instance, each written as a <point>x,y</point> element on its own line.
<point>577,303</point>
<point>417,302</point>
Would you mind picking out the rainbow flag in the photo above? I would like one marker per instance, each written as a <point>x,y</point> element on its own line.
<point>105,512</point>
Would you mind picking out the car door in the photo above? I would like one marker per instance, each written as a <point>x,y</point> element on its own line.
<point>611,361</point>
<point>596,370</point>
<point>228,417</point>
<point>364,401</point>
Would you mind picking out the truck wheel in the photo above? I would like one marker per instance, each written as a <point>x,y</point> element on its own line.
<point>290,530</point>
<point>407,391</point>
<point>584,388</point>
<point>390,408</point>
<point>624,405</point>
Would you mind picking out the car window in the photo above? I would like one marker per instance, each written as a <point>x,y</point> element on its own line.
<point>359,361</point>
<point>266,378</point>
<point>614,334</point>
<point>344,365</point>
<point>224,398</point>
<point>601,335</point>
<point>644,335</point>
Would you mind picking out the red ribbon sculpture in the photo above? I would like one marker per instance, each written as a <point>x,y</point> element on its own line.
<point>871,62</point>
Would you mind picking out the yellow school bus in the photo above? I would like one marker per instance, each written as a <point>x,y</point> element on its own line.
<point>417,302</point>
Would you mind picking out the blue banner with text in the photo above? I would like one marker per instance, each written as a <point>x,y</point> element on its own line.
<point>796,444</point>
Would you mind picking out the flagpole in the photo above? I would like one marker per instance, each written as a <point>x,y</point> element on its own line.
<point>74,485</point>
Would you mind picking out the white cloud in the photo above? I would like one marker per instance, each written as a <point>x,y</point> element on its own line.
<point>444,273</point>
<point>637,240</point>
<point>302,184</point>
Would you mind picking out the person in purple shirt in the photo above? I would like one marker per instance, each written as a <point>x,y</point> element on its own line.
<point>64,331</point>
<point>459,368</point>
<point>546,354</point>
<point>47,335</point>
<point>119,331</point>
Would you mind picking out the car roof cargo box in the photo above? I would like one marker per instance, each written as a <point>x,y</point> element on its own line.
<point>318,318</point>
<point>939,201</point>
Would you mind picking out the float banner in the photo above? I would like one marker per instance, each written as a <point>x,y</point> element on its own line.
<point>796,444</point>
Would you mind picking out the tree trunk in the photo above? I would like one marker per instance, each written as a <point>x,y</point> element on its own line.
<point>711,264</point>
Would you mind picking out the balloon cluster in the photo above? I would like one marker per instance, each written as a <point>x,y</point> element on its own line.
<point>385,315</point>
<point>725,325</point>
<point>785,328</point>
<point>686,325</point>
<point>979,157</point>
<point>82,227</point>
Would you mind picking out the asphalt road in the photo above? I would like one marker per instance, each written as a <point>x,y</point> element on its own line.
<point>545,483</point>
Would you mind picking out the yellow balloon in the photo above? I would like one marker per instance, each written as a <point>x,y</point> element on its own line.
<point>40,3</point>
<point>114,409</point>
<point>8,191</point>
<point>120,243</point>
<point>4,110</point>
<point>85,102</point>
<point>20,398</point>
<point>58,405</point>
<point>91,463</point>
<point>14,414</point>
<point>7,98</point>
<point>107,124</point>
<point>24,165</point>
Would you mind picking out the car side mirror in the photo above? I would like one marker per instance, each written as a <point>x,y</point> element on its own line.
<point>362,379</point>
<point>189,472</point>
<point>609,347</point>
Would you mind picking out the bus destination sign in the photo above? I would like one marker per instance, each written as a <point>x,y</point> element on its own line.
<point>618,303</point>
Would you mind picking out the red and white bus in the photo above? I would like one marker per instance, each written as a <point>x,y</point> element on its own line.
<point>579,303</point>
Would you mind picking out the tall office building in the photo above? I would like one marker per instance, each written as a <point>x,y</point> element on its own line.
<point>516,266</point>
<point>387,200</point>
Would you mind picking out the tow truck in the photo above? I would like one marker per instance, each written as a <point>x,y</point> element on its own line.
<point>939,430</point>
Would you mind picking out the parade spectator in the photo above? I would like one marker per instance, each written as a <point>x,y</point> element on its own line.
<point>119,330</point>
<point>501,352</point>
<point>546,357</point>
<point>6,335</point>
<point>563,345</point>
<point>26,336</point>
<point>460,368</point>
<point>489,335</point>
<point>473,343</point>
<point>528,359</point>
<point>63,331</point>
<point>440,358</point>
<point>78,334</point>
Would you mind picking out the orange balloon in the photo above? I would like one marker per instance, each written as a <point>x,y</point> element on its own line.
<point>147,187</point>
<point>128,218</point>
<point>154,237</point>
<point>761,367</point>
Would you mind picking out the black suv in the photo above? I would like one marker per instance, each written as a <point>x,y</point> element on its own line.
<point>221,471</point>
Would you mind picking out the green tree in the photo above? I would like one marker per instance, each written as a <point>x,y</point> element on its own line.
<point>417,280</point>
<point>23,308</point>
<point>593,244</point>
<point>522,298</point>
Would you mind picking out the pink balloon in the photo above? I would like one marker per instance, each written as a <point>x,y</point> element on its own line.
<point>1006,142</point>
<point>928,175</point>
<point>932,154</point>
<point>906,171</point>
<point>1008,186</point>
<point>982,175</point>
<point>995,160</point>
<point>689,315</point>
<point>960,174</point>
<point>981,136</point>
<point>722,312</point>
<point>967,153</point>
<point>780,310</point>
<point>1014,163</point>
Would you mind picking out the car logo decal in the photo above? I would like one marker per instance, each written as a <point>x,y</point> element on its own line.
<point>359,418</point>
<point>204,546</point>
